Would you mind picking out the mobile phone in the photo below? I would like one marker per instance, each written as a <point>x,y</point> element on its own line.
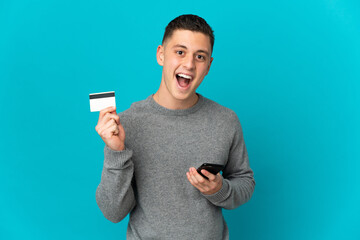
<point>210,167</point>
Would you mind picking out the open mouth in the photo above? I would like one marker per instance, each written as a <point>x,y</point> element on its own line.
<point>183,80</point>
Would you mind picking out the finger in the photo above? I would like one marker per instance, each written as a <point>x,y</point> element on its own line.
<point>107,110</point>
<point>106,119</point>
<point>121,131</point>
<point>108,129</point>
<point>209,175</point>
<point>191,180</point>
<point>197,177</point>
<point>115,130</point>
<point>115,117</point>
<point>108,116</point>
<point>107,124</point>
<point>192,177</point>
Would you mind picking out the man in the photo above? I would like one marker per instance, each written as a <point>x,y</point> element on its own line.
<point>152,148</point>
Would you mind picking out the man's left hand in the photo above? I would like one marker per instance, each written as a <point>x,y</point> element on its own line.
<point>205,186</point>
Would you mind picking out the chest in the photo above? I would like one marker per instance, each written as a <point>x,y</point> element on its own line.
<point>176,143</point>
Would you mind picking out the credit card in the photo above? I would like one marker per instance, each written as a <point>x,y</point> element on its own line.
<point>99,101</point>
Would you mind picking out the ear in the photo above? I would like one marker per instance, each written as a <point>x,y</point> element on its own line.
<point>211,59</point>
<point>160,55</point>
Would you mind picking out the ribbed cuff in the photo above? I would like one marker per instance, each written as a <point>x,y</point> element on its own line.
<point>220,195</point>
<point>116,159</point>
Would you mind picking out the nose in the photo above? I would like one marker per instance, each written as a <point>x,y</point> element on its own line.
<point>189,62</point>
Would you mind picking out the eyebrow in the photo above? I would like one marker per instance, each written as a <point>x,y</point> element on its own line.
<point>199,51</point>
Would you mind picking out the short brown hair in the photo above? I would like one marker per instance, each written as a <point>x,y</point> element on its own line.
<point>192,23</point>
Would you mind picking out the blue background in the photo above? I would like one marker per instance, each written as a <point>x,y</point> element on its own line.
<point>289,69</point>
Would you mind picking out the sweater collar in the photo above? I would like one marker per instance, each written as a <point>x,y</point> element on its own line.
<point>178,112</point>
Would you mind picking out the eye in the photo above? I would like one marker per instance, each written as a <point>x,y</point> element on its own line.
<point>180,52</point>
<point>200,57</point>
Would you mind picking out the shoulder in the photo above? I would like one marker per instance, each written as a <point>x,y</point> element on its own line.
<point>224,121</point>
<point>136,108</point>
<point>220,112</point>
<point>130,117</point>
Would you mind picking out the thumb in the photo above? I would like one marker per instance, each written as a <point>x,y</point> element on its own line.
<point>113,110</point>
<point>121,132</point>
<point>209,175</point>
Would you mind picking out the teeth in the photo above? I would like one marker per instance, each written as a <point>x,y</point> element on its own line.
<point>184,76</point>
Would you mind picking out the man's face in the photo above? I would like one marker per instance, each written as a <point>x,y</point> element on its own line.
<point>186,60</point>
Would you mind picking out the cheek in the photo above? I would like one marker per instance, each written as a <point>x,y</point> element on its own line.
<point>171,66</point>
<point>198,83</point>
<point>167,60</point>
<point>203,70</point>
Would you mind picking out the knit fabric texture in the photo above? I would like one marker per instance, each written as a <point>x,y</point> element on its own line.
<point>148,179</point>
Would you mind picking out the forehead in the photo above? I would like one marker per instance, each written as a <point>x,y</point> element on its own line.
<point>190,39</point>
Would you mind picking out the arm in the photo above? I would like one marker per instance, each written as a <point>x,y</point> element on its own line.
<point>115,195</point>
<point>236,186</point>
<point>238,179</point>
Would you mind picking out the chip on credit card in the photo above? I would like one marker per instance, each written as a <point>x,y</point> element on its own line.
<point>99,101</point>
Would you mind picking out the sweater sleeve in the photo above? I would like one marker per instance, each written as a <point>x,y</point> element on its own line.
<point>115,195</point>
<point>238,178</point>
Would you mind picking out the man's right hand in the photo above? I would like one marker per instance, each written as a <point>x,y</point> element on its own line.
<point>110,129</point>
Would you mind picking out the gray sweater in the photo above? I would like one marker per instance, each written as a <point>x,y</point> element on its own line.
<point>148,179</point>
